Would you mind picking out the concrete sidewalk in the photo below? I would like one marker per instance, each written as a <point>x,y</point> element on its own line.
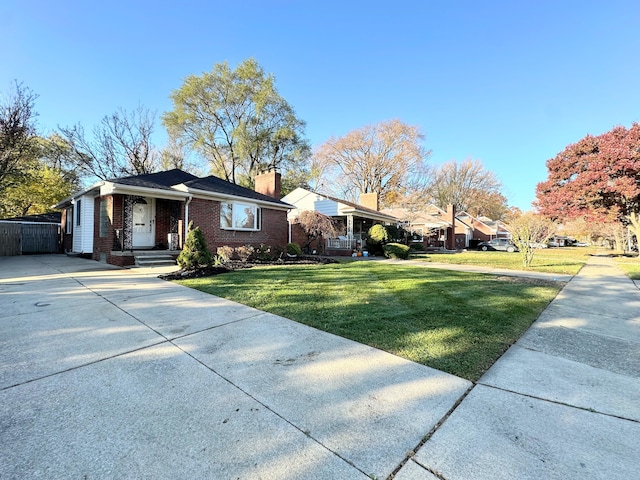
<point>562,403</point>
<point>112,373</point>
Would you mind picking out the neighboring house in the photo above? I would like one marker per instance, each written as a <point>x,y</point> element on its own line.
<point>440,228</point>
<point>113,219</point>
<point>430,230</point>
<point>483,228</point>
<point>30,234</point>
<point>353,220</point>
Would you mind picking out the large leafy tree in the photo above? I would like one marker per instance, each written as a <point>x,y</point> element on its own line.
<point>237,121</point>
<point>120,145</point>
<point>18,141</point>
<point>469,187</point>
<point>597,178</point>
<point>32,174</point>
<point>46,180</point>
<point>387,158</point>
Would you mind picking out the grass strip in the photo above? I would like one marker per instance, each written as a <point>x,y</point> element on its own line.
<point>565,260</point>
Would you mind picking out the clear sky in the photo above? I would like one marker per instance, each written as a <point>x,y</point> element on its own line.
<point>510,83</point>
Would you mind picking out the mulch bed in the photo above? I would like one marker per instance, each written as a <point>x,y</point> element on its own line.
<point>199,272</point>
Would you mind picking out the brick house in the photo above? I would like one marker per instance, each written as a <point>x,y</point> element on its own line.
<point>483,229</point>
<point>113,220</point>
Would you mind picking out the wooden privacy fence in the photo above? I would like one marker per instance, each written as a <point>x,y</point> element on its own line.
<point>17,238</point>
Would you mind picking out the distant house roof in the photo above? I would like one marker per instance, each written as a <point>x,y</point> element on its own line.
<point>417,218</point>
<point>174,184</point>
<point>52,217</point>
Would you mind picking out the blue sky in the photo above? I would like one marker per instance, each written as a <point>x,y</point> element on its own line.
<point>510,83</point>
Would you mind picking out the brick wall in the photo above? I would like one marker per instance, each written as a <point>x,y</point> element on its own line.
<point>206,215</point>
<point>163,221</point>
<point>101,245</point>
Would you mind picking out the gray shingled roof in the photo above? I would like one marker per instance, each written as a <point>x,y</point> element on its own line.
<point>51,217</point>
<point>162,180</point>
<point>218,185</point>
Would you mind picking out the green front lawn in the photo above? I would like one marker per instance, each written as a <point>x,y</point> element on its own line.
<point>630,265</point>
<point>564,260</point>
<point>453,321</point>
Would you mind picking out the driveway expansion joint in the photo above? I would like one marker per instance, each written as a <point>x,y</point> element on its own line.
<point>555,402</point>
<point>429,434</point>
<point>76,367</point>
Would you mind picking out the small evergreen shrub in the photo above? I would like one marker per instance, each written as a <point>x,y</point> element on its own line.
<point>417,247</point>
<point>294,249</point>
<point>396,250</point>
<point>377,236</point>
<point>195,253</point>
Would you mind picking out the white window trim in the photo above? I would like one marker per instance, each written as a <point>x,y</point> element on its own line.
<point>69,221</point>
<point>238,205</point>
<point>78,212</point>
<point>415,231</point>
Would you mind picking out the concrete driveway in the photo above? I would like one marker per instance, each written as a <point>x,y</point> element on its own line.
<point>112,373</point>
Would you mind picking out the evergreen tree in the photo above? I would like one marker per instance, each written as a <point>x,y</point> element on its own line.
<point>195,252</point>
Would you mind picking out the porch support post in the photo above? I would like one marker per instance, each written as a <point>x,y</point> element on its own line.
<point>350,230</point>
<point>127,222</point>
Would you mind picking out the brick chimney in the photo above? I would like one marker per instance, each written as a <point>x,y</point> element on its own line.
<point>370,200</point>
<point>451,231</point>
<point>268,183</point>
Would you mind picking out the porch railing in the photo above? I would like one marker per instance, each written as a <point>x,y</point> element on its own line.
<point>341,244</point>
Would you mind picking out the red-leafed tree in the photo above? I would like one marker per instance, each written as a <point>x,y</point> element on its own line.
<point>597,178</point>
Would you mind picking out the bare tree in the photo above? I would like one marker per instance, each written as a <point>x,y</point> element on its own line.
<point>527,230</point>
<point>120,145</point>
<point>383,158</point>
<point>18,146</point>
<point>469,187</point>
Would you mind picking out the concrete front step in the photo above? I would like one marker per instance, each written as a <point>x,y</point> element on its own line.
<point>154,260</point>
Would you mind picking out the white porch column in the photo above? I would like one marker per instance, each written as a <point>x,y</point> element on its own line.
<point>350,230</point>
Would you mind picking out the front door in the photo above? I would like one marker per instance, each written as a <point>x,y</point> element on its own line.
<point>144,231</point>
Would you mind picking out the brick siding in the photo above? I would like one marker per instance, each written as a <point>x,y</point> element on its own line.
<point>206,215</point>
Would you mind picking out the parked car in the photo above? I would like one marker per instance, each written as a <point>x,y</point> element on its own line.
<point>503,244</point>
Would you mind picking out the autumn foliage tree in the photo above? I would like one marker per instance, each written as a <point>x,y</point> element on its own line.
<point>597,178</point>
<point>315,225</point>
<point>386,158</point>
